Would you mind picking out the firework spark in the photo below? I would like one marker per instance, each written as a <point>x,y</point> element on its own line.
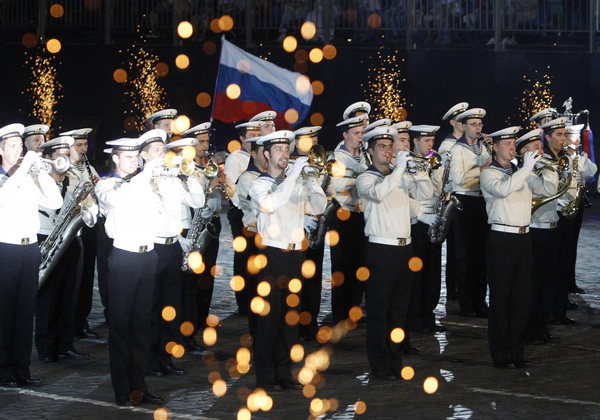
<point>143,94</point>
<point>536,96</point>
<point>44,90</point>
<point>384,87</point>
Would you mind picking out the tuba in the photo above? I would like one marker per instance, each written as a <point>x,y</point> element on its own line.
<point>70,220</point>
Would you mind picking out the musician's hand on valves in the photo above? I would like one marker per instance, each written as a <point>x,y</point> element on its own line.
<point>300,163</point>
<point>186,244</point>
<point>412,166</point>
<point>402,160</point>
<point>429,219</point>
<point>30,158</point>
<point>530,159</point>
<point>310,222</point>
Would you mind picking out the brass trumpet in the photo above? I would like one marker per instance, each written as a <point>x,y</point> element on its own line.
<point>560,165</point>
<point>60,165</point>
<point>432,161</point>
<point>318,162</point>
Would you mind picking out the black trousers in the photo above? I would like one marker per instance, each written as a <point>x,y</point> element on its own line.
<point>426,291</point>
<point>103,250</point>
<point>346,257</point>
<point>56,303</point>
<point>131,280</point>
<point>206,279</point>
<point>273,336</point>
<point>451,292</point>
<point>167,292</point>
<point>250,281</point>
<point>234,216</point>
<point>545,278</point>
<point>311,292</point>
<point>18,286</point>
<point>568,236</point>
<point>89,237</point>
<point>388,294</point>
<point>509,272</point>
<point>471,230</point>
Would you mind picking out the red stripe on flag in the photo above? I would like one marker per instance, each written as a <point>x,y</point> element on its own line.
<point>233,110</point>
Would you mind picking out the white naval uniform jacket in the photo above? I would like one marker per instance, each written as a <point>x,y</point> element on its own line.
<point>547,213</point>
<point>447,143</point>
<point>20,196</point>
<point>280,208</point>
<point>466,161</point>
<point>508,193</point>
<point>354,167</point>
<point>245,202</point>
<point>387,208</point>
<point>131,210</point>
<point>427,206</point>
<point>173,195</point>
<point>235,164</point>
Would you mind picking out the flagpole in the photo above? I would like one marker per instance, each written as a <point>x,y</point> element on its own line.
<point>212,108</point>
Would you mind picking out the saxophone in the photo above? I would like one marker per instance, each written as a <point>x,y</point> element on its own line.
<point>445,207</point>
<point>70,220</point>
<point>571,209</point>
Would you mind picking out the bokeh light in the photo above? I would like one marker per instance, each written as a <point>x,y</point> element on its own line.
<point>182,61</point>
<point>237,283</point>
<point>209,336</point>
<point>29,40</point>
<point>185,29</point>
<point>332,238</point>
<point>397,335</point>
<point>57,10</point>
<point>317,87</point>
<point>219,387</point>
<point>291,116</point>
<point>407,373</point>
<point>290,44</point>
<point>233,145</point>
<point>360,407</point>
<point>430,385</point>
<point>362,273</point>
<point>53,45</point>
<point>316,55</point>
<point>233,91</point>
<point>415,264</point>
<point>120,76</point>
<point>302,84</point>
<point>317,118</point>
<point>329,52</point>
<point>203,99</point>
<point>181,124</point>
<point>168,313</point>
<point>308,269</point>
<point>226,23</point>
<point>308,30</point>
<point>186,328</point>
<point>295,285</point>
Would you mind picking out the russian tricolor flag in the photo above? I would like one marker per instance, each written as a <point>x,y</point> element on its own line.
<point>263,86</point>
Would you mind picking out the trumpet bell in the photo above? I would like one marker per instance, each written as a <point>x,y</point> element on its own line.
<point>187,167</point>
<point>317,156</point>
<point>211,171</point>
<point>61,164</point>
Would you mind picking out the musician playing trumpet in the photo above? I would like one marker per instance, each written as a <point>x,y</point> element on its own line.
<point>508,193</point>
<point>387,215</point>
<point>470,156</point>
<point>21,191</point>
<point>280,203</point>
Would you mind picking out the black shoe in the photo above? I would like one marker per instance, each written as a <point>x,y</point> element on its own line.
<point>86,333</point>
<point>576,289</point>
<point>502,365</point>
<point>550,338</point>
<point>156,372</point>
<point>192,346</point>
<point>122,400</point>
<point>522,364</point>
<point>410,350</point>
<point>152,399</point>
<point>572,306</point>
<point>29,381</point>
<point>8,382</point>
<point>73,354</point>
<point>288,384</point>
<point>170,368</point>
<point>437,328</point>
<point>384,376</point>
<point>47,358</point>
<point>566,321</point>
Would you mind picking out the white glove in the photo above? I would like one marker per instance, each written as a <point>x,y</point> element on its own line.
<point>330,190</point>
<point>449,187</point>
<point>186,244</point>
<point>530,159</point>
<point>30,158</point>
<point>207,212</point>
<point>539,165</point>
<point>402,160</point>
<point>429,219</point>
<point>310,222</point>
<point>300,163</point>
<point>411,165</point>
<point>155,163</point>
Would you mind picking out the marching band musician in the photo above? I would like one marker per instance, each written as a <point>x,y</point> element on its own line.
<point>172,193</point>
<point>457,126</point>
<point>256,166</point>
<point>209,213</point>
<point>310,299</point>
<point>349,254</point>
<point>426,292</point>
<point>280,203</point>
<point>387,226</point>
<point>585,170</point>
<point>88,235</point>
<point>235,164</point>
<point>544,116</point>
<point>458,131</point>
<point>21,191</point>
<point>162,119</point>
<point>508,192</point>
<point>554,148</point>
<point>34,136</point>
<point>544,238</point>
<point>132,208</point>
<point>470,157</point>
<point>57,298</point>
<point>401,141</point>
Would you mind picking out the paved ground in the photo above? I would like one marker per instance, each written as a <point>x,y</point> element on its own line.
<point>562,383</point>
